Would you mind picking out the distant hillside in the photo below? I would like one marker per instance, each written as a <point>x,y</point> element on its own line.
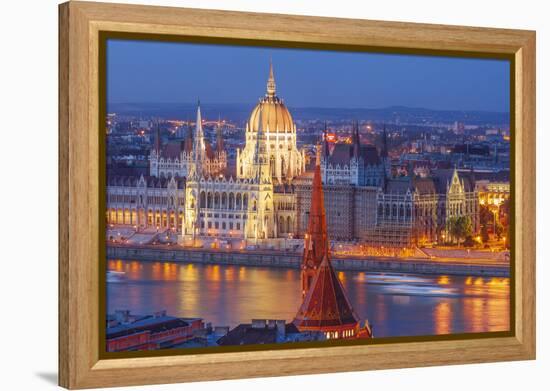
<point>240,112</point>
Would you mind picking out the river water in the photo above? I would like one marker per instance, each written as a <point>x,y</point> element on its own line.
<point>395,304</point>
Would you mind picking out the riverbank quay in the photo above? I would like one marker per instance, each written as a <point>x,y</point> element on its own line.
<point>284,259</point>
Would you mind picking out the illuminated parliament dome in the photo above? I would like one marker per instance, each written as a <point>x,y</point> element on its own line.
<point>275,116</point>
<point>270,129</point>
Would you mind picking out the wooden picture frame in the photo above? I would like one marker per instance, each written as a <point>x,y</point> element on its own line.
<point>80,217</point>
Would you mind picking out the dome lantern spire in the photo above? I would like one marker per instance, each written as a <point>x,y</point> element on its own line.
<point>271,80</point>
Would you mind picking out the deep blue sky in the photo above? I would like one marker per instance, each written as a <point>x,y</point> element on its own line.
<point>139,71</point>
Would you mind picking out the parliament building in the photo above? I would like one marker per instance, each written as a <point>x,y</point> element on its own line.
<point>265,197</point>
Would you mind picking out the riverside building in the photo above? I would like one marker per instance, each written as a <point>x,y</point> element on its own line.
<point>265,197</point>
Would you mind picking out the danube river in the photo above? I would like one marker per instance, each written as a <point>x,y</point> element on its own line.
<point>395,304</point>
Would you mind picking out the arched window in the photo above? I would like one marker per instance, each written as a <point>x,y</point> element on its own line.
<point>394,210</point>
<point>224,200</point>
<point>209,200</point>
<point>281,224</point>
<point>231,201</point>
<point>380,210</point>
<point>239,201</point>
<point>203,200</point>
<point>245,201</point>
<point>387,210</point>
<point>288,225</point>
<point>401,211</point>
<point>216,200</point>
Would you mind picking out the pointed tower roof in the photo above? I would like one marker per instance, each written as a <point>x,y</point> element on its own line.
<point>199,147</point>
<point>316,243</point>
<point>326,306</point>
<point>271,80</point>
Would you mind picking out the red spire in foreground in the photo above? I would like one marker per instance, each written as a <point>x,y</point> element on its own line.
<point>325,306</point>
<point>316,243</point>
<point>316,239</point>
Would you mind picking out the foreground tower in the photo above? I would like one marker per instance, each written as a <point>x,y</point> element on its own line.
<point>325,306</point>
<point>316,243</point>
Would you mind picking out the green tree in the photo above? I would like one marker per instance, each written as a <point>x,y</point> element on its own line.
<point>464,228</point>
<point>460,227</point>
<point>452,227</point>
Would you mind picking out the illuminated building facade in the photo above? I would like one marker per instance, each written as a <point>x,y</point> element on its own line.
<point>355,164</point>
<point>414,211</point>
<point>402,212</point>
<point>267,195</point>
<point>493,192</point>
<point>257,202</point>
<point>146,202</point>
<point>175,158</point>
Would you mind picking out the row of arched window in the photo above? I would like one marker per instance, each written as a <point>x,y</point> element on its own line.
<point>224,200</point>
<point>285,225</point>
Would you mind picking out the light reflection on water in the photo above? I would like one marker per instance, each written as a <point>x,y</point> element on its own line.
<point>396,304</point>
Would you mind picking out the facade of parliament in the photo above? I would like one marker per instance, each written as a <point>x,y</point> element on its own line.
<point>266,197</point>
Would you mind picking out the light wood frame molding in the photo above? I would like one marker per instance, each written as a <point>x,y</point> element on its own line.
<point>80,365</point>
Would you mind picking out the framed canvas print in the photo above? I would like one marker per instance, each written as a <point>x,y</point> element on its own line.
<point>247,195</point>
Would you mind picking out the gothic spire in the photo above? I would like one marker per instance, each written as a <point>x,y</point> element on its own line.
<point>199,147</point>
<point>325,306</point>
<point>271,81</point>
<point>316,245</point>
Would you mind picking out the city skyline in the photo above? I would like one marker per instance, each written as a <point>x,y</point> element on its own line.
<point>356,222</point>
<point>156,72</point>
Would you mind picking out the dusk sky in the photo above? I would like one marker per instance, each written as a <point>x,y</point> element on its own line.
<point>147,71</point>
